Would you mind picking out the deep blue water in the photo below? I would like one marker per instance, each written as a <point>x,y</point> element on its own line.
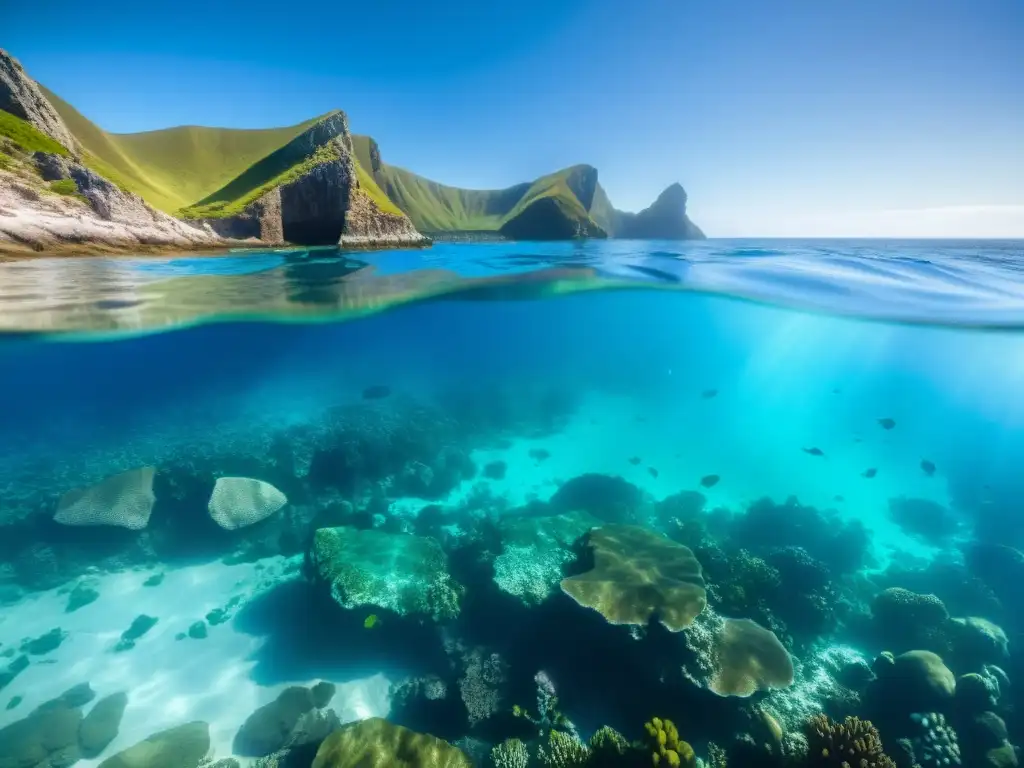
<point>832,372</point>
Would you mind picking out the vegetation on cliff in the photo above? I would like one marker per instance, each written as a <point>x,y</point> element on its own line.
<point>177,167</point>
<point>26,137</point>
<point>198,172</point>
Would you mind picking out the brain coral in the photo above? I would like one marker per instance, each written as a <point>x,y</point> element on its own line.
<point>638,574</point>
<point>237,502</point>
<point>376,743</point>
<point>124,500</point>
<point>750,659</point>
<point>394,571</point>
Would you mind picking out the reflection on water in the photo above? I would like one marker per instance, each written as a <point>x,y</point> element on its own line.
<point>973,284</point>
<point>520,528</point>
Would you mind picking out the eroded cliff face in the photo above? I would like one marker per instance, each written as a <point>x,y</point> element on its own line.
<point>325,206</point>
<point>98,218</point>
<point>20,96</point>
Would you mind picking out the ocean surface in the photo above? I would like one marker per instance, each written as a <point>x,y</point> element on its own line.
<point>829,434</point>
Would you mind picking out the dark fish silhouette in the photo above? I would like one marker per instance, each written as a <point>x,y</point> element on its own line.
<point>869,473</point>
<point>709,481</point>
<point>887,423</point>
<point>814,451</point>
<point>376,392</point>
<point>540,454</point>
<point>927,467</point>
<point>653,471</point>
<point>707,394</point>
<point>634,460</point>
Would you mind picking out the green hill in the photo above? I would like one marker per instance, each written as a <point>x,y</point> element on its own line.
<point>174,168</point>
<point>548,207</point>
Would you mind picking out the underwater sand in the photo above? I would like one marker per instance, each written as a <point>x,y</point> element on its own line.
<point>168,681</point>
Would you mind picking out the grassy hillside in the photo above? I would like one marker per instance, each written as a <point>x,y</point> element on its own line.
<point>26,136</point>
<point>437,207</point>
<point>175,167</point>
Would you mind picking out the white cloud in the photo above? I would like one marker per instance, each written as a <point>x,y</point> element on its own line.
<point>953,221</point>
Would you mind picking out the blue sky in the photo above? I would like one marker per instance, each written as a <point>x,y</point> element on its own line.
<point>798,117</point>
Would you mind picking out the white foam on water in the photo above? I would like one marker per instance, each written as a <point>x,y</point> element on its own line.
<point>168,681</point>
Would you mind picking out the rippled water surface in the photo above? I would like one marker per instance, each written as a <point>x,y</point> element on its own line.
<point>959,283</point>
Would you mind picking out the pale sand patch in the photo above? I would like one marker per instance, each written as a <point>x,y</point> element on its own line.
<point>168,681</point>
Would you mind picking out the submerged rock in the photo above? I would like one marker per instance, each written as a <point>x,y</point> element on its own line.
<point>46,738</point>
<point>291,720</point>
<point>101,725</point>
<point>45,644</point>
<point>82,595</point>
<point>140,626</point>
<point>181,747</point>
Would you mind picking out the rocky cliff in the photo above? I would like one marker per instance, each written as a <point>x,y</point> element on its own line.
<point>306,192</point>
<point>665,219</point>
<point>324,204</point>
<point>20,96</point>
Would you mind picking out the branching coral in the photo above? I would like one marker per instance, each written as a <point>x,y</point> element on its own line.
<point>563,750</point>
<point>854,743</point>
<point>511,753</point>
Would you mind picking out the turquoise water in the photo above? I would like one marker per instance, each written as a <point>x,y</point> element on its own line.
<point>848,412</point>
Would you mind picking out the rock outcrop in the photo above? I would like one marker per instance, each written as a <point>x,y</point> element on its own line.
<point>99,217</point>
<point>665,219</point>
<point>51,202</point>
<point>20,96</point>
<point>324,206</point>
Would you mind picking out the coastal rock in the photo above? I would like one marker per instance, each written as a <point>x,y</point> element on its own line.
<point>20,96</point>
<point>665,219</point>
<point>325,205</point>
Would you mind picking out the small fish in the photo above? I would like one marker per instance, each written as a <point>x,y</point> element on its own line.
<point>371,621</point>
<point>836,391</point>
<point>927,467</point>
<point>634,460</point>
<point>707,394</point>
<point>376,392</point>
<point>814,451</point>
<point>710,481</point>
<point>887,423</point>
<point>858,439</point>
<point>869,473</point>
<point>540,454</point>
<point>838,498</point>
<point>653,472</point>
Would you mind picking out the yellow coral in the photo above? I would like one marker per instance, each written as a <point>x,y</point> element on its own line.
<point>666,747</point>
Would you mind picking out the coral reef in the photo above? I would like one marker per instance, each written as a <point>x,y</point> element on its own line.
<point>853,742</point>
<point>376,743</point>
<point>395,572</point>
<point>666,748</point>
<point>637,575</point>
